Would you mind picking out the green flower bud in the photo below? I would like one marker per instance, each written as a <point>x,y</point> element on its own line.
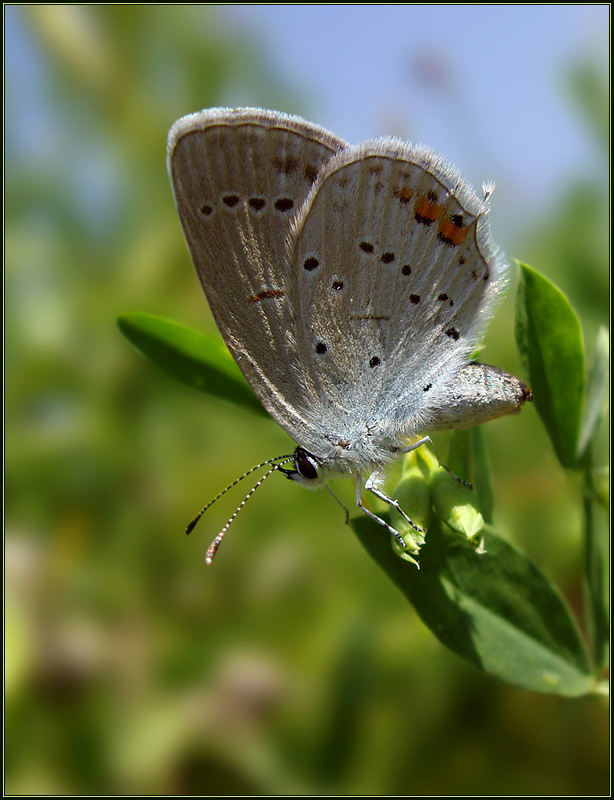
<point>456,504</point>
<point>414,497</point>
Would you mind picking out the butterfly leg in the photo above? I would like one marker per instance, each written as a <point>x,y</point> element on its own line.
<point>429,441</point>
<point>372,485</point>
<point>347,512</point>
<point>377,519</point>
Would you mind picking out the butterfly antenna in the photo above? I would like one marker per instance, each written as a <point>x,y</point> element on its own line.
<point>212,549</point>
<point>281,459</point>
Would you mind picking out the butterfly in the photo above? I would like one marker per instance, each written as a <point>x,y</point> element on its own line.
<point>351,285</point>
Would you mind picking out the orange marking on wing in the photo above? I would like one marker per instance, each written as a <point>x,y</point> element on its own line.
<point>451,233</point>
<point>265,294</point>
<point>426,210</point>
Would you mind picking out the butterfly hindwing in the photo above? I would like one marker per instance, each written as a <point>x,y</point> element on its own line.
<point>395,279</point>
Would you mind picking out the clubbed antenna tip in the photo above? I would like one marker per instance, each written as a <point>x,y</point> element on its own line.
<point>212,549</point>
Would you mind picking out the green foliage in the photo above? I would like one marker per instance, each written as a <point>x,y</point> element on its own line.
<point>550,343</point>
<point>487,602</point>
<point>597,393</point>
<point>196,359</point>
<point>492,608</point>
<point>596,504</point>
<point>467,456</point>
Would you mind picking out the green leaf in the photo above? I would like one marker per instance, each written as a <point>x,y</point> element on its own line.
<point>468,459</point>
<point>597,394</point>
<point>550,342</point>
<point>191,357</point>
<point>597,534</point>
<point>597,528</point>
<point>494,609</point>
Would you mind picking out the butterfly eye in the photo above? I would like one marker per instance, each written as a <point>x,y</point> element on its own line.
<point>305,465</point>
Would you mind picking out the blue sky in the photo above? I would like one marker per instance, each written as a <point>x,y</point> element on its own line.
<point>503,114</point>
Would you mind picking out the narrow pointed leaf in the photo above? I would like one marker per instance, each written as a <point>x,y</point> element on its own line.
<point>191,357</point>
<point>597,559</point>
<point>550,343</point>
<point>597,392</point>
<point>598,579</point>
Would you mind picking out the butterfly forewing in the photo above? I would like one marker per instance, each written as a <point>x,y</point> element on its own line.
<point>239,178</point>
<point>396,276</point>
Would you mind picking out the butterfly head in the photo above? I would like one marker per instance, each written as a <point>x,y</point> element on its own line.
<point>308,470</point>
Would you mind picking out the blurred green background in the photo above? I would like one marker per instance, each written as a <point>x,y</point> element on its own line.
<point>291,666</point>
